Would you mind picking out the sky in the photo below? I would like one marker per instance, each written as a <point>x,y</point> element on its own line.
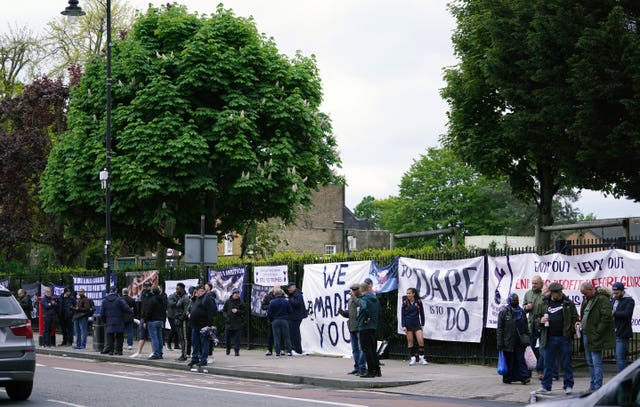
<point>381,65</point>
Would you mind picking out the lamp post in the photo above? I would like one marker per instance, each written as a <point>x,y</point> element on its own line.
<point>72,12</point>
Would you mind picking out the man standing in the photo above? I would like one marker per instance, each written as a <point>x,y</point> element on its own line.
<point>558,327</point>
<point>25,302</point>
<point>623,306</point>
<point>367,324</point>
<point>265,305</point>
<point>203,310</point>
<point>359,361</point>
<point>65,314</point>
<point>154,315</point>
<point>49,310</point>
<point>113,311</point>
<point>233,311</point>
<point>84,309</point>
<point>532,301</point>
<point>179,303</point>
<point>598,332</point>
<point>295,319</point>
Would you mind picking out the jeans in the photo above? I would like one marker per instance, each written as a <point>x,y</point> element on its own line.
<point>236,335</point>
<point>200,347</point>
<point>622,344</point>
<point>359,360</point>
<point>594,361</point>
<point>128,328</point>
<point>80,326</point>
<point>155,332</point>
<point>281,334</point>
<point>563,346</point>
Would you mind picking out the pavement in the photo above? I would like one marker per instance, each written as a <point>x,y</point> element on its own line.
<point>460,381</point>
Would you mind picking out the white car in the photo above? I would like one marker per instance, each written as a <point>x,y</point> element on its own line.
<point>622,390</point>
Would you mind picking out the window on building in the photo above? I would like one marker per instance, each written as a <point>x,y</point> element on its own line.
<point>228,244</point>
<point>351,241</point>
<point>329,249</point>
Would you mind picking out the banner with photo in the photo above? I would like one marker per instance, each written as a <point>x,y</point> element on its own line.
<point>4,281</point>
<point>452,293</point>
<point>135,279</point>
<point>326,289</point>
<point>32,291</point>
<point>385,279</point>
<point>258,292</point>
<point>602,269</point>
<point>94,288</point>
<point>224,281</point>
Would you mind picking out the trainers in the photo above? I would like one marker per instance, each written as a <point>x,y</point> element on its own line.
<point>568,390</point>
<point>269,353</point>
<point>423,361</point>
<point>192,363</point>
<point>412,362</point>
<point>542,390</point>
<point>289,354</point>
<point>129,347</point>
<point>135,355</point>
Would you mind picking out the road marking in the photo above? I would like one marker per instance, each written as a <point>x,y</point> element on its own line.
<point>65,403</point>
<point>330,403</point>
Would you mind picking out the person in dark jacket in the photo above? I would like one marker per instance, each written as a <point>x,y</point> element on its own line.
<point>512,322</point>
<point>128,318</point>
<point>113,311</point>
<point>623,305</point>
<point>25,302</point>
<point>297,315</point>
<point>412,323</point>
<point>368,320</point>
<point>203,310</point>
<point>83,310</point>
<point>353,305</point>
<point>233,312</point>
<point>154,315</point>
<point>179,304</point>
<point>265,305</point>
<point>65,316</point>
<point>278,312</point>
<point>49,310</point>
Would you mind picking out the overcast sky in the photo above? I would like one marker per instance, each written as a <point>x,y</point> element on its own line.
<point>381,66</point>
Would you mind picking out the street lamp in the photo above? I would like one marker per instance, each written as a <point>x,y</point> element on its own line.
<point>73,11</point>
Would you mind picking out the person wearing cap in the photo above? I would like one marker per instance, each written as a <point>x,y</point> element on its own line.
<point>233,312</point>
<point>113,311</point>
<point>598,332</point>
<point>353,304</point>
<point>65,316</point>
<point>82,312</point>
<point>623,305</point>
<point>558,326</point>
<point>202,312</point>
<point>296,299</point>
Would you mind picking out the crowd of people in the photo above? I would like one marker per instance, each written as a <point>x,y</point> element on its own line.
<point>548,321</point>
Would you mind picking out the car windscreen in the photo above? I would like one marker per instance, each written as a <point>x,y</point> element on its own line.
<point>8,304</point>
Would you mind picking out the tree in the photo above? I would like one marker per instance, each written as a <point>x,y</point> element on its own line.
<point>367,209</point>
<point>514,96</point>
<point>20,52</point>
<point>208,119</point>
<point>441,191</point>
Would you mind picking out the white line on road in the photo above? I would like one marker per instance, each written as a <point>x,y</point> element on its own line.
<point>213,389</point>
<point>65,403</point>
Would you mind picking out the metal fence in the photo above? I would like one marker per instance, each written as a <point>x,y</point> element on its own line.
<point>484,352</point>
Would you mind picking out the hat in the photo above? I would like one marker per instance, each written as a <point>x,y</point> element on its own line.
<point>125,291</point>
<point>618,286</point>
<point>290,283</point>
<point>235,290</point>
<point>368,280</point>
<point>355,286</point>
<point>191,289</point>
<point>555,287</point>
<point>146,284</point>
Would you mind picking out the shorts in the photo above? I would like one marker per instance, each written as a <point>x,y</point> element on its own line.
<point>413,328</point>
<point>143,333</point>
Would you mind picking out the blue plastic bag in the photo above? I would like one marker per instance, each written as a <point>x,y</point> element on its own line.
<point>503,369</point>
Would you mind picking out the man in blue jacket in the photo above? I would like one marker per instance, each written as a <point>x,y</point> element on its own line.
<point>296,299</point>
<point>623,306</point>
<point>368,320</point>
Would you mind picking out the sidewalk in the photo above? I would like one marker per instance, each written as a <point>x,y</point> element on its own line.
<point>443,380</point>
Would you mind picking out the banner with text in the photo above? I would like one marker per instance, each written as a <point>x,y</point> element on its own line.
<point>326,289</point>
<point>270,275</point>
<point>602,269</point>
<point>94,288</point>
<point>452,295</point>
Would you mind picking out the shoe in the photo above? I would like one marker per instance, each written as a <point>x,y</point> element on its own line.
<point>202,364</point>
<point>297,354</point>
<point>135,355</point>
<point>269,353</point>
<point>526,380</point>
<point>228,351</point>
<point>368,375</point>
<point>277,355</point>
<point>77,347</point>
<point>117,353</point>
<point>378,373</point>
<point>412,362</point>
<point>568,390</point>
<point>423,361</point>
<point>354,371</point>
<point>361,373</point>
<point>182,359</point>
<point>154,357</point>
<point>192,363</point>
<point>129,347</point>
<point>289,354</point>
<point>556,378</point>
<point>169,347</point>
<point>237,353</point>
<point>542,390</point>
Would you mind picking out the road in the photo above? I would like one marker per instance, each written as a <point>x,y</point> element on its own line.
<point>81,382</point>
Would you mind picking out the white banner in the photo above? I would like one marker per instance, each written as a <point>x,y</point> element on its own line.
<point>270,275</point>
<point>452,295</point>
<point>514,273</point>
<point>326,288</point>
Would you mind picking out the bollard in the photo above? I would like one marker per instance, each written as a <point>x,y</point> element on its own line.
<point>98,333</point>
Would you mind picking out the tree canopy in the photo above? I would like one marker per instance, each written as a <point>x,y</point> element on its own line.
<point>208,118</point>
<point>519,102</point>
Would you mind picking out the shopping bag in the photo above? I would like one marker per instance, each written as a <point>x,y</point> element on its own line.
<point>502,363</point>
<point>530,358</point>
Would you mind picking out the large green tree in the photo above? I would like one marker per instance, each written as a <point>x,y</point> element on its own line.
<point>208,118</point>
<point>515,95</point>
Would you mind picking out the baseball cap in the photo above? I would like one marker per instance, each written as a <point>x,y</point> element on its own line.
<point>555,287</point>
<point>290,283</point>
<point>355,286</point>
<point>368,280</point>
<point>618,286</point>
<point>235,290</point>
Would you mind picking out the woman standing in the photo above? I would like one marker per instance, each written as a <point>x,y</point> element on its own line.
<point>512,323</point>
<point>412,323</point>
